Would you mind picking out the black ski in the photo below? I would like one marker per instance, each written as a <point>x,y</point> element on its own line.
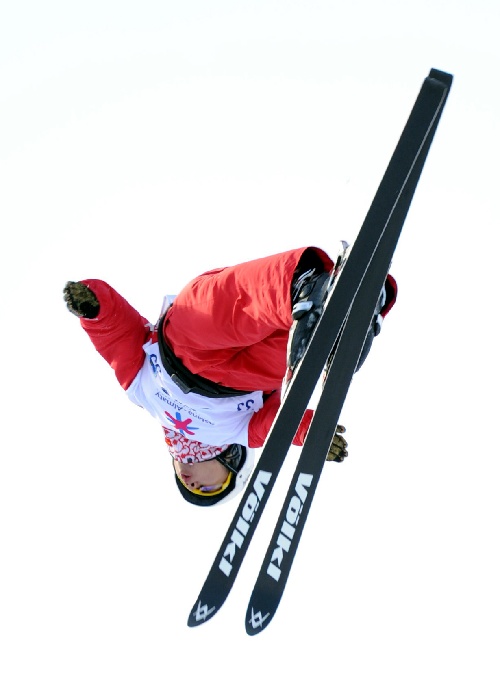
<point>237,539</point>
<point>384,223</point>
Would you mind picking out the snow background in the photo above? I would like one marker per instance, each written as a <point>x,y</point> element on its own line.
<point>143,143</point>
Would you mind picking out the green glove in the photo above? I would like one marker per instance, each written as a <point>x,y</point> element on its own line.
<point>338,446</point>
<point>80,300</point>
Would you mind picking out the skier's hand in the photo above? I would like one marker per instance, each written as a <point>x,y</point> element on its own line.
<point>338,446</point>
<point>80,300</point>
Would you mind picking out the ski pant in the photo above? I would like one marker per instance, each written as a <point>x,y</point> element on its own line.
<point>231,325</point>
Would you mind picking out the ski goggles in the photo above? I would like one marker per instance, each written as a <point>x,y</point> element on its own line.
<point>207,490</point>
<point>232,458</point>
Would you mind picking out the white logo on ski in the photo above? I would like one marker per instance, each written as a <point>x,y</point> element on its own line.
<point>243,523</point>
<point>288,528</point>
<point>202,612</point>
<point>256,619</point>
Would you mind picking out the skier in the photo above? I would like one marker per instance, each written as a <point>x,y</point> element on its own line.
<point>212,369</point>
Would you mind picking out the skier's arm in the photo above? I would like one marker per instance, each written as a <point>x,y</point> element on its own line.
<point>118,331</point>
<point>261,422</point>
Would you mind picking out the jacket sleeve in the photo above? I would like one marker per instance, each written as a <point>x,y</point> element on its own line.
<point>261,422</point>
<point>118,332</point>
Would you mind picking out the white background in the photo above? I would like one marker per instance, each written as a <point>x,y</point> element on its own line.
<point>143,143</point>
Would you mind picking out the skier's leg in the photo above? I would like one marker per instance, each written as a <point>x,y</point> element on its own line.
<point>232,324</point>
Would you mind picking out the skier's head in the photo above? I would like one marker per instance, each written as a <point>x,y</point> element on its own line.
<point>215,479</point>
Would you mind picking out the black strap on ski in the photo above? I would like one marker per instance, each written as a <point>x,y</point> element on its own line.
<point>184,378</point>
<point>391,202</point>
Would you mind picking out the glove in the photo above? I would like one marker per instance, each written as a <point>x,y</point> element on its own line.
<point>80,300</point>
<point>338,446</point>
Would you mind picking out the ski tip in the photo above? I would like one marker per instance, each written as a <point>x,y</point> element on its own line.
<point>256,621</point>
<point>200,613</point>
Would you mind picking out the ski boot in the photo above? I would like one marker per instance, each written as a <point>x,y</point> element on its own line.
<point>309,293</point>
<point>386,300</point>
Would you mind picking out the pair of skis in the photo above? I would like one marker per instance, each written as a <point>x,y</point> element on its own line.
<point>346,317</point>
